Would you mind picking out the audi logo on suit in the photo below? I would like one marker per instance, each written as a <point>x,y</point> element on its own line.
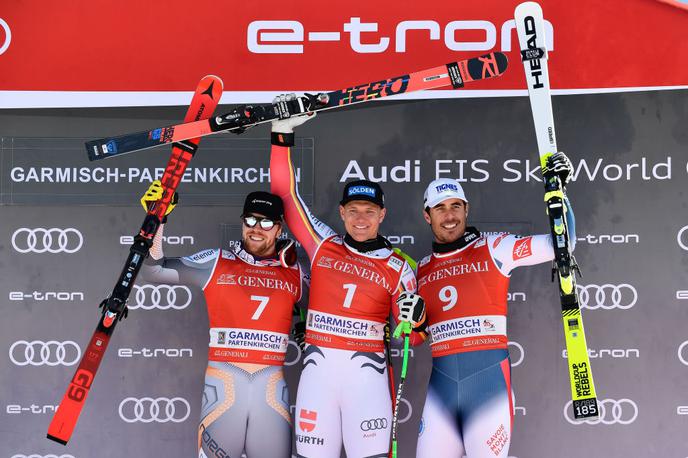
<point>374,424</point>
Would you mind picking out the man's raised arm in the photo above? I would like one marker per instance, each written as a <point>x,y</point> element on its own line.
<point>307,229</point>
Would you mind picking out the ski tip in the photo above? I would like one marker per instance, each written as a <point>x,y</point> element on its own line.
<point>93,148</point>
<point>217,79</point>
<point>499,61</point>
<point>101,149</point>
<point>56,439</point>
<point>527,9</point>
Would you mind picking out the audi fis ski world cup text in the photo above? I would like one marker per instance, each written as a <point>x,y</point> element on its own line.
<point>290,37</point>
<point>512,170</point>
<point>405,171</point>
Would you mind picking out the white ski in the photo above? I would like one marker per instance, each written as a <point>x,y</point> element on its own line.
<point>530,26</point>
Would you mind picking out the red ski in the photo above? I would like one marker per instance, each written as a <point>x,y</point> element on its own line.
<point>454,74</point>
<point>202,106</point>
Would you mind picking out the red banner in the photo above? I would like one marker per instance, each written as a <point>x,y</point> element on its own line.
<point>679,3</point>
<point>139,53</point>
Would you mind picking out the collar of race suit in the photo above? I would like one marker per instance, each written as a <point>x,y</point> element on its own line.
<point>471,234</point>
<point>377,243</point>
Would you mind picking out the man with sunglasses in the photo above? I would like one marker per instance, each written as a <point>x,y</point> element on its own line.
<point>250,293</point>
<point>356,281</point>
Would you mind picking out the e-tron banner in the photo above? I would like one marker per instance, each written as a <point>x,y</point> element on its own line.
<point>125,53</point>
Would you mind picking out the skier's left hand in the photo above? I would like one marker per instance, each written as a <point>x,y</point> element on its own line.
<point>153,194</point>
<point>286,126</point>
<point>411,309</point>
<point>559,164</point>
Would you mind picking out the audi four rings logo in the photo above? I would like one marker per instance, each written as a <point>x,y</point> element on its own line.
<point>612,412</point>
<point>39,353</point>
<point>682,358</point>
<point>679,238</point>
<point>374,424</point>
<point>607,296</point>
<point>521,354</point>
<point>163,297</point>
<point>159,410</point>
<point>42,456</point>
<point>8,36</point>
<point>47,240</point>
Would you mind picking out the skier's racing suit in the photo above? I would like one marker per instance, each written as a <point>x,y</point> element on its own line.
<point>250,303</point>
<point>469,406</point>
<point>344,394</point>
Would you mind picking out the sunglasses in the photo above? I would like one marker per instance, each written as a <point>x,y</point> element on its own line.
<point>265,223</point>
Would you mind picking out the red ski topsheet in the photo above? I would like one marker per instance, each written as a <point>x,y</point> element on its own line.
<point>64,421</point>
<point>133,46</point>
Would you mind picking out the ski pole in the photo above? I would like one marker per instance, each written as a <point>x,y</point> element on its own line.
<point>403,328</point>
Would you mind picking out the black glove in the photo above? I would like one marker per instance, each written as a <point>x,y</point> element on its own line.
<point>411,309</point>
<point>299,334</point>
<point>560,165</point>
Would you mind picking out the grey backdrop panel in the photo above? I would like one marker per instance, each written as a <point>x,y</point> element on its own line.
<point>628,195</point>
